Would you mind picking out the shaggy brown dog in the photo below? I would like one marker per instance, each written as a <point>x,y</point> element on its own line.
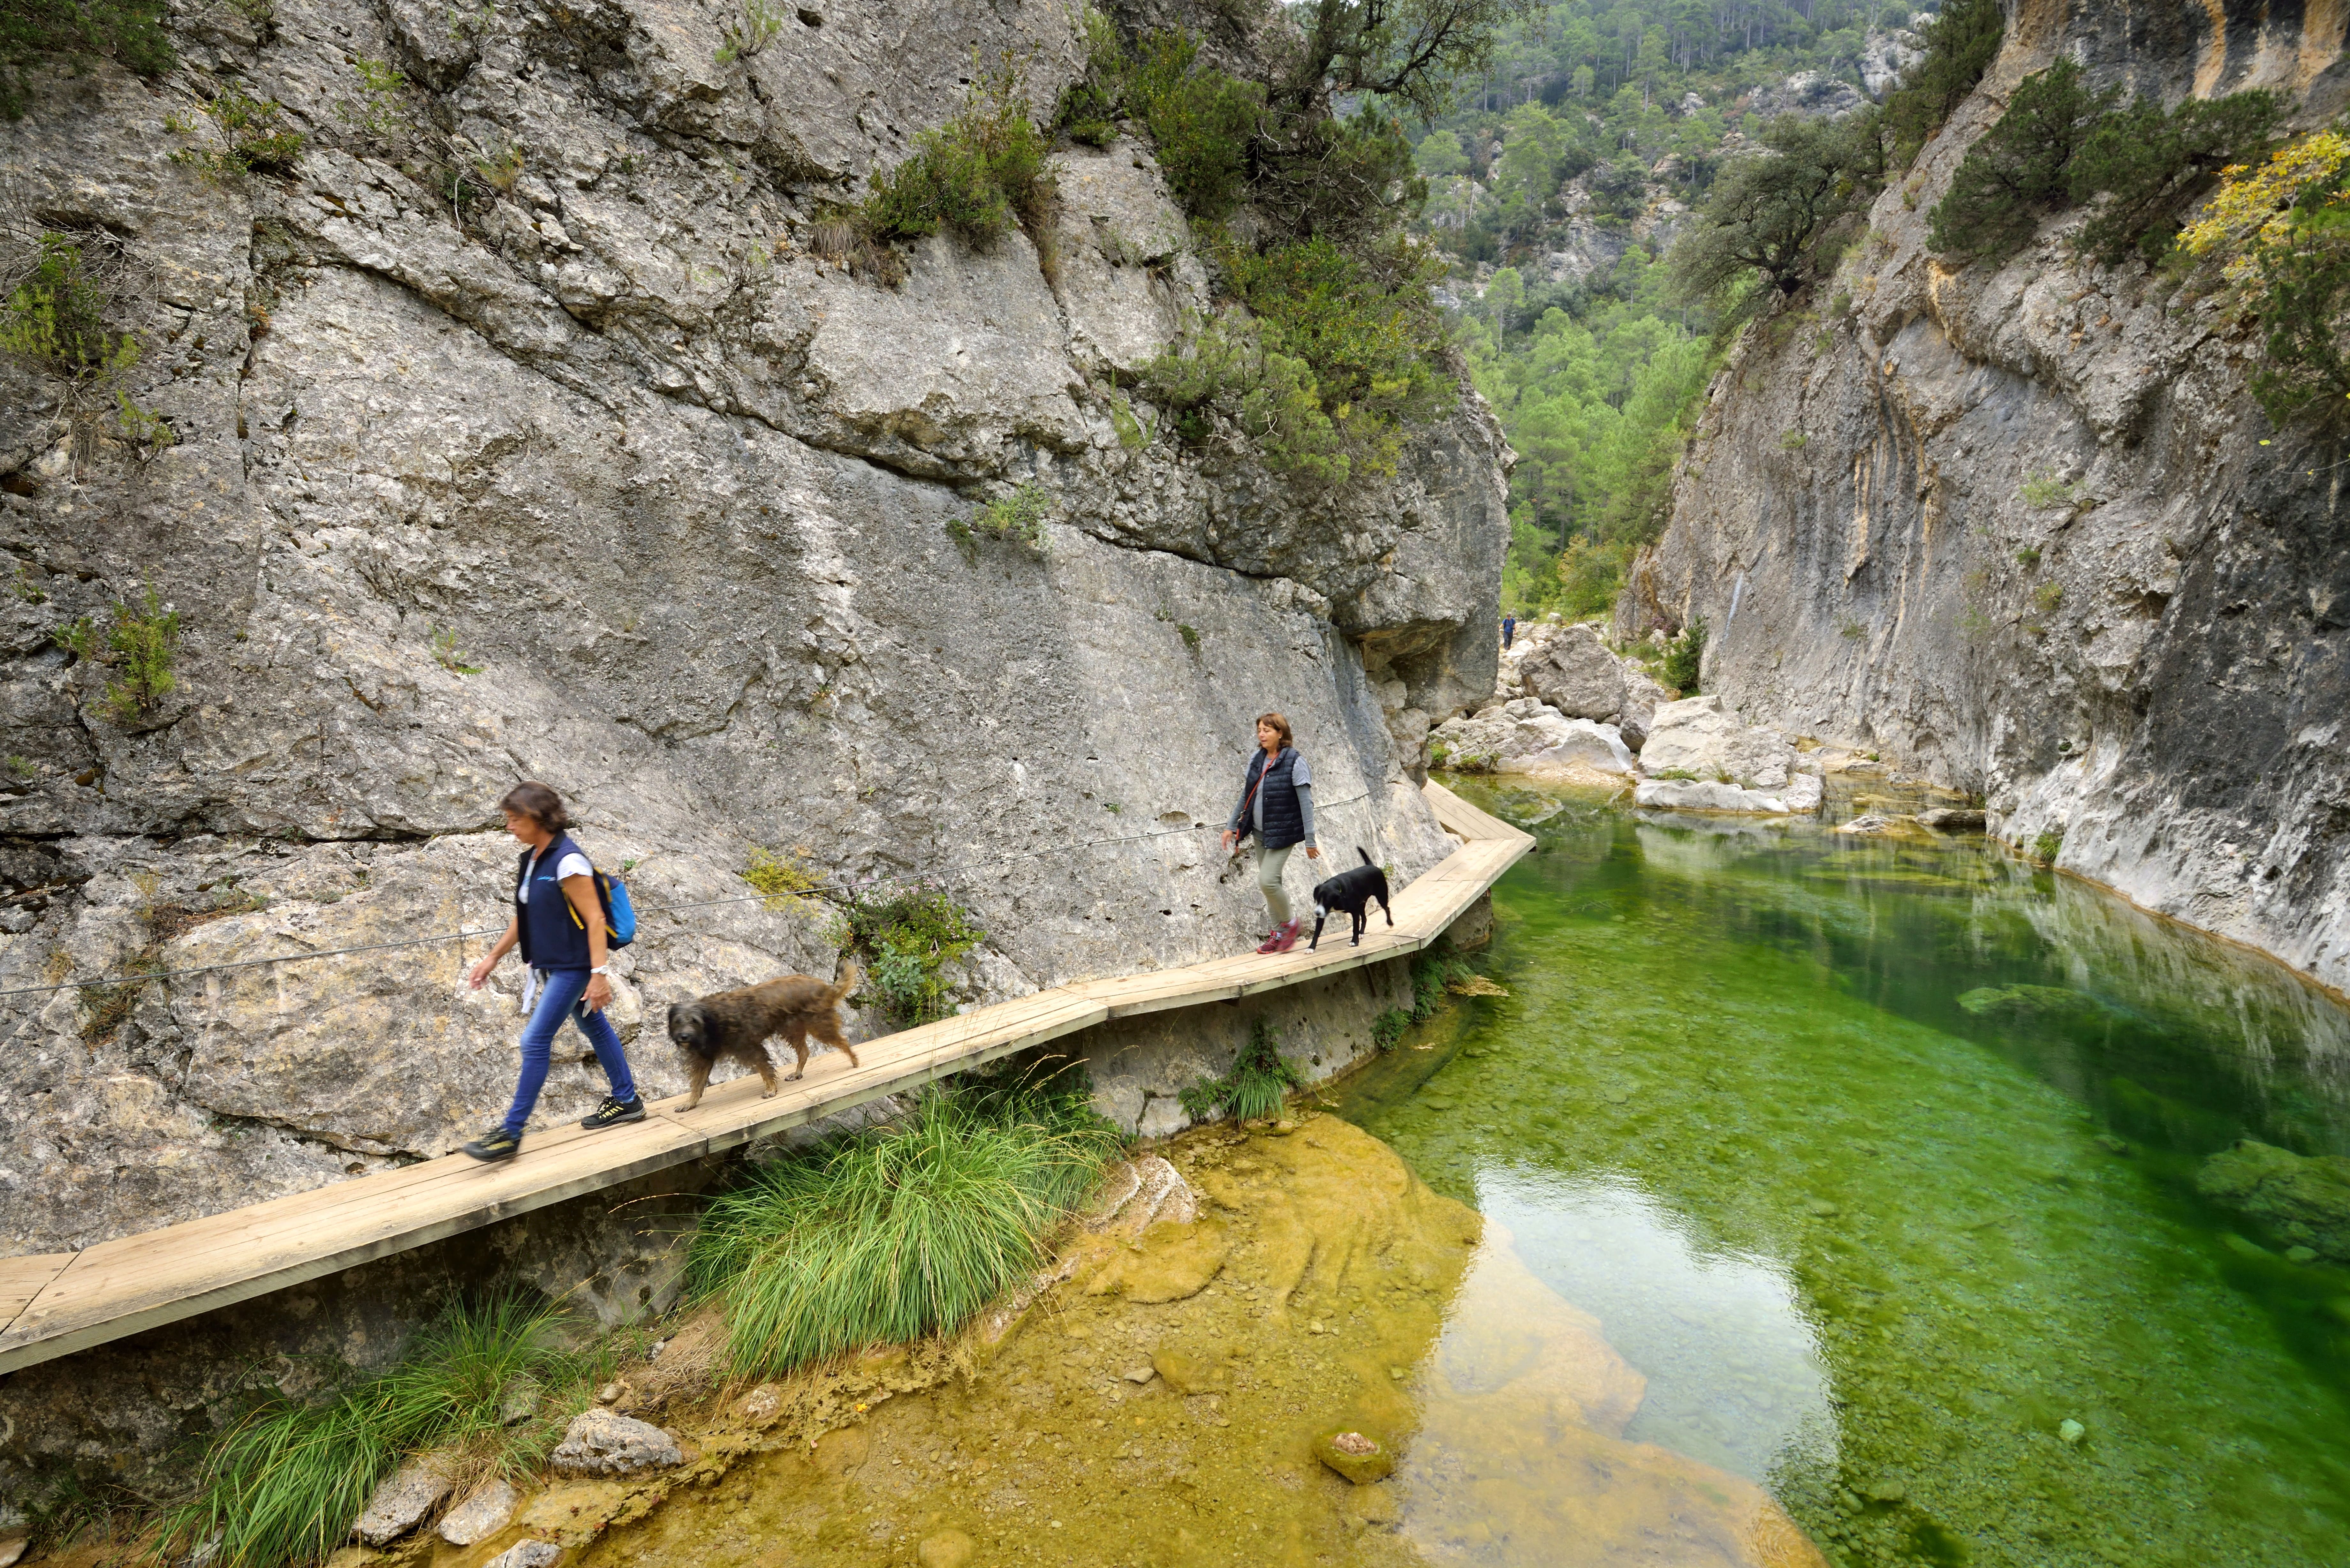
<point>738,1024</point>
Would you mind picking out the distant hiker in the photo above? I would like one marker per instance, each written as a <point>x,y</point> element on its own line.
<point>1509,630</point>
<point>558,922</point>
<point>1277,806</point>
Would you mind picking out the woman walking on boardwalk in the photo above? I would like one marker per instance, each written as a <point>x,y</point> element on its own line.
<point>558,923</point>
<point>1277,806</point>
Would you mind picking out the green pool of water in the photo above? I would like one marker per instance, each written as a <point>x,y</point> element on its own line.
<point>1875,1246</point>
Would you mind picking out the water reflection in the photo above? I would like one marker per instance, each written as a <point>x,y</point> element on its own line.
<point>1736,1376</point>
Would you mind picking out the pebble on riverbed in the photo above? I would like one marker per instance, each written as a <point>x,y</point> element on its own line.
<point>1356,1454</point>
<point>2070,1431</point>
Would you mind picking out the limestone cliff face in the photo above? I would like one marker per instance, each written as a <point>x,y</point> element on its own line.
<point>2025,531</point>
<point>603,476</point>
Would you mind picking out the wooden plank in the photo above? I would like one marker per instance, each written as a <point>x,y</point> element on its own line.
<point>136,1282</point>
<point>57,1303</point>
<point>22,1279</point>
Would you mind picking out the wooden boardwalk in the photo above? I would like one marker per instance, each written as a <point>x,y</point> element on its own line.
<point>56,1303</point>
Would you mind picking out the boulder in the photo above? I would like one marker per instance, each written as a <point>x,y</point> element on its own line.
<point>526,1555</point>
<point>1526,736</point>
<point>404,1498</point>
<point>2302,1198</point>
<point>1700,737</point>
<point>1574,673</point>
<point>599,1442</point>
<point>481,1514</point>
<point>1953,818</point>
<point>1800,795</point>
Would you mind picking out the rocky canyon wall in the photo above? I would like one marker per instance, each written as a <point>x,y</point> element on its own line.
<point>604,475</point>
<point>2024,530</point>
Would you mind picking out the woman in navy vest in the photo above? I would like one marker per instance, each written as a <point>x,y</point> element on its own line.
<point>1277,806</point>
<point>558,923</point>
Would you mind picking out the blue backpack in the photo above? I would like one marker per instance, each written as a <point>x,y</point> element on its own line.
<point>619,915</point>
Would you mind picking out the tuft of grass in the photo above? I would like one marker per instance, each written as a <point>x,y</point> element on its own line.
<point>1260,1080</point>
<point>1387,1029</point>
<point>2028,556</point>
<point>2045,846</point>
<point>2047,596</point>
<point>487,1384</point>
<point>900,1230</point>
<point>2041,491</point>
<point>1016,519</point>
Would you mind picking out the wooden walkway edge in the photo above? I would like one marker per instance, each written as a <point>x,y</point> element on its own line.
<point>56,1303</point>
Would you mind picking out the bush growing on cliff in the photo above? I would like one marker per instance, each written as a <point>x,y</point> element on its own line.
<point>2283,226</point>
<point>900,1230</point>
<point>2058,144</point>
<point>909,935</point>
<point>1683,655</point>
<point>1960,44</point>
<point>974,177</point>
<point>1331,365</point>
<point>73,32</point>
<point>1780,215</point>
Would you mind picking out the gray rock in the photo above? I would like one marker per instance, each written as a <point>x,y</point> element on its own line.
<point>526,1555</point>
<point>2059,461</point>
<point>1953,818</point>
<point>1701,735</point>
<point>1799,795</point>
<point>629,383</point>
<point>403,1500</point>
<point>1527,736</point>
<point>2303,1199</point>
<point>599,1442</point>
<point>481,1514</point>
<point>1572,670</point>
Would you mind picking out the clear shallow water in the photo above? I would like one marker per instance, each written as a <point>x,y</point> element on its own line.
<point>1871,1246</point>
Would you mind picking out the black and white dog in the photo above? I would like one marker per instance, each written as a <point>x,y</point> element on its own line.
<point>1353,892</point>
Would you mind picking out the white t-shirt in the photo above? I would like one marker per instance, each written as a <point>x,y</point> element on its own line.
<point>572,865</point>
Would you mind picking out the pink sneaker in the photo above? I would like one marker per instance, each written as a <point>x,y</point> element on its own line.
<point>1286,937</point>
<point>1272,944</point>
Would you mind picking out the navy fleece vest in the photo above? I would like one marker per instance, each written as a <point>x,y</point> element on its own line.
<point>552,936</point>
<point>1285,824</point>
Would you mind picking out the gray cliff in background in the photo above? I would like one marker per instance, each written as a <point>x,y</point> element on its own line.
<point>2024,530</point>
<point>616,483</point>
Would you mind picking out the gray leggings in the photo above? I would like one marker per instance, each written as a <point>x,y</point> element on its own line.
<point>1270,864</point>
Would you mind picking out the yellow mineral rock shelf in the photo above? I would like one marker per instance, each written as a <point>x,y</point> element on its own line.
<point>56,1303</point>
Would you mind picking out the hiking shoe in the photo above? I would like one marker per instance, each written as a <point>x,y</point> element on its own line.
<point>612,1112</point>
<point>499,1145</point>
<point>1272,943</point>
<point>1286,937</point>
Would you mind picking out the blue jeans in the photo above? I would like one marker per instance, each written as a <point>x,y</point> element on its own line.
<point>560,995</point>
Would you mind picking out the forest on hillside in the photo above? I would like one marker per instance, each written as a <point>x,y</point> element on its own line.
<point>1557,184</point>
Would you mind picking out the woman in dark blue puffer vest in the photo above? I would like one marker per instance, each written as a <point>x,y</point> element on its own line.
<point>558,923</point>
<point>1277,806</point>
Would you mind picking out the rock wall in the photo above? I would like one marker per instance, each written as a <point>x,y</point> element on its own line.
<point>605,476</point>
<point>2023,530</point>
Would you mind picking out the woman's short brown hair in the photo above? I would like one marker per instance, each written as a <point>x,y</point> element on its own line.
<point>536,801</point>
<point>1280,725</point>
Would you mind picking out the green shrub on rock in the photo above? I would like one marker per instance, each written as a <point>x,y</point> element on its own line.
<point>974,177</point>
<point>130,32</point>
